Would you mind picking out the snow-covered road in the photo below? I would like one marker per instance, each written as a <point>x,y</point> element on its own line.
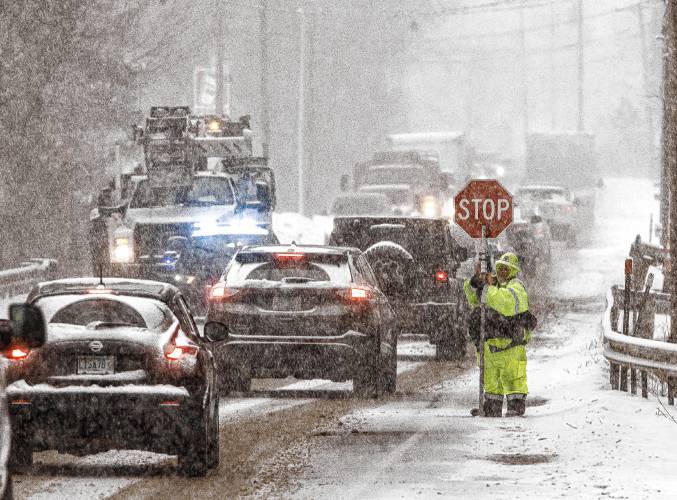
<point>578,440</point>
<point>307,440</point>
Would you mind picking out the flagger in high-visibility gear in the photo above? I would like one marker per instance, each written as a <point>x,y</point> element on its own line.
<point>507,330</point>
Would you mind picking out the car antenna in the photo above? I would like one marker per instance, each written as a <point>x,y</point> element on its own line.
<point>101,275</point>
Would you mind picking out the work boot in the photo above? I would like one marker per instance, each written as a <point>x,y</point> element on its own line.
<point>516,406</point>
<point>493,407</point>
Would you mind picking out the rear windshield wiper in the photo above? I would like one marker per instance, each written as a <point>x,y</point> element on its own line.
<point>297,279</point>
<point>97,325</point>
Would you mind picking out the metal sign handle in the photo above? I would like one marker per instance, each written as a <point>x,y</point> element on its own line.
<point>483,271</point>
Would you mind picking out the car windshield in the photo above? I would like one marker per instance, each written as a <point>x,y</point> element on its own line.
<point>367,205</point>
<point>395,195</point>
<point>204,191</point>
<point>393,174</point>
<point>106,311</point>
<point>270,268</point>
<point>542,194</point>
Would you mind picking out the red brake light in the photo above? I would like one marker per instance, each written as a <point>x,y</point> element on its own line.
<point>289,256</point>
<point>441,276</point>
<point>176,352</point>
<point>99,290</point>
<point>17,353</point>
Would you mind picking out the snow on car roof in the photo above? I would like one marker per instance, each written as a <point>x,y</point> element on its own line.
<point>537,187</point>
<point>119,285</point>
<point>366,194</point>
<point>317,249</point>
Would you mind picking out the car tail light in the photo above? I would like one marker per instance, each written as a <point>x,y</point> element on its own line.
<point>20,402</point>
<point>441,276</point>
<point>175,352</point>
<point>359,294</point>
<point>355,295</point>
<point>17,353</point>
<point>221,292</point>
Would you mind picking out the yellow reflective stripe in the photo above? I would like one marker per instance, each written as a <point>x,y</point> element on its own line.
<point>517,300</point>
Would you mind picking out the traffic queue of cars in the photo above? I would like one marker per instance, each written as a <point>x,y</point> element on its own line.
<point>118,363</point>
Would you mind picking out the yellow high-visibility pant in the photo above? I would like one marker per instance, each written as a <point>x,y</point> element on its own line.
<point>505,372</point>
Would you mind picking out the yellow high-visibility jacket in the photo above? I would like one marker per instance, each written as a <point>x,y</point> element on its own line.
<point>505,371</point>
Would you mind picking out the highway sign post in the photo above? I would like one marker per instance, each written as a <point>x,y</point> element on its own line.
<point>483,209</point>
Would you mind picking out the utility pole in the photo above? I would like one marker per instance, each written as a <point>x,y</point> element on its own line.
<point>553,94</point>
<point>670,146</point>
<point>581,75</point>
<point>265,91</point>
<point>665,172</point>
<point>301,105</point>
<point>524,97</point>
<point>220,97</point>
<point>311,136</point>
<point>645,83</point>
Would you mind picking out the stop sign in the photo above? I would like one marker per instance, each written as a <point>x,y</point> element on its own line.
<point>483,203</point>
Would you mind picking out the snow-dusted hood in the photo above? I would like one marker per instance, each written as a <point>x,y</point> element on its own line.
<point>178,215</point>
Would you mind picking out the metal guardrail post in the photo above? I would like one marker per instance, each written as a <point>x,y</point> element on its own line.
<point>627,307</point>
<point>645,384</point>
<point>613,375</point>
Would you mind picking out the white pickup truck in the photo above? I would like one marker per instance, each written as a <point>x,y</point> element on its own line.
<point>556,205</point>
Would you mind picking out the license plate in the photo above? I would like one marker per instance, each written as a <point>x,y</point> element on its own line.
<point>287,303</point>
<point>96,365</point>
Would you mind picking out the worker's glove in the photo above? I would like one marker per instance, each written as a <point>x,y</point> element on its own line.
<point>477,281</point>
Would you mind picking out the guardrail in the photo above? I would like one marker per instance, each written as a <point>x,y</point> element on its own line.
<point>639,354</point>
<point>19,280</point>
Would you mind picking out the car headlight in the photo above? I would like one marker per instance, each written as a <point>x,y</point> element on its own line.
<point>430,207</point>
<point>123,251</point>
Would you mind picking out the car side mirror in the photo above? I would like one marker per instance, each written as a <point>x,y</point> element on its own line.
<point>215,331</point>
<point>263,195</point>
<point>535,219</point>
<point>5,333</point>
<point>28,324</point>
<point>108,211</point>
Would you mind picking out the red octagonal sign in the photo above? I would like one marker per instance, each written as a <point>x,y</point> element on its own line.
<point>483,203</point>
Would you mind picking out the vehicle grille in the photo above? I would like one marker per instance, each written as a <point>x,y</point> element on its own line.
<point>151,239</point>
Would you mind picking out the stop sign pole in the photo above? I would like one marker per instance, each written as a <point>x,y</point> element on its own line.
<point>483,209</point>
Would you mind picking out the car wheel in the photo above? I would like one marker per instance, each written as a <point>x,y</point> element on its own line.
<point>367,380</point>
<point>390,375</point>
<point>213,446</point>
<point>193,458</point>
<point>8,494</point>
<point>21,451</point>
